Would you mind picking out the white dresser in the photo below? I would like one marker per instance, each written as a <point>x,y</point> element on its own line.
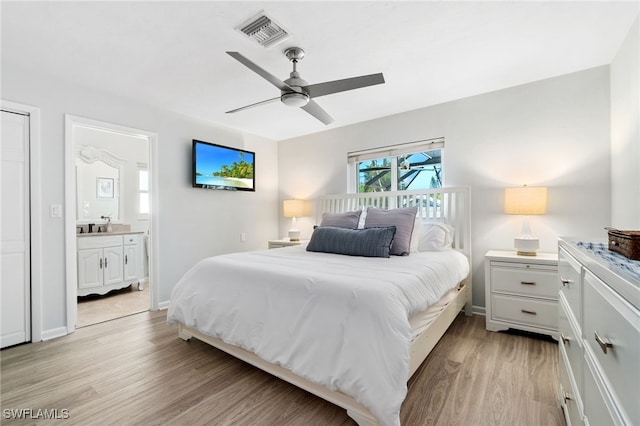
<point>521,292</point>
<point>599,324</point>
<point>108,262</point>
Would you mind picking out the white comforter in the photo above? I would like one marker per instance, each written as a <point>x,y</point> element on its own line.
<point>339,321</point>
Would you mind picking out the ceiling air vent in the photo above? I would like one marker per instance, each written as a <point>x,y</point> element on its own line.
<point>264,30</point>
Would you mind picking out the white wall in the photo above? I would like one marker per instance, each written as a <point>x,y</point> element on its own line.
<point>553,132</point>
<point>193,223</point>
<point>625,133</point>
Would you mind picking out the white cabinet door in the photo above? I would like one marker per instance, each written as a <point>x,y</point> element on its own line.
<point>90,268</point>
<point>113,265</point>
<point>15,231</point>
<point>131,262</point>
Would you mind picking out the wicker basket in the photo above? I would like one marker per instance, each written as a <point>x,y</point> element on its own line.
<point>627,243</point>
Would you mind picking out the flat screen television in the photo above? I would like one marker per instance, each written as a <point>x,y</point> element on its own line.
<point>223,167</point>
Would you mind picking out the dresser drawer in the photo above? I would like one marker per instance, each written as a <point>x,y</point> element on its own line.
<point>596,405</point>
<point>570,341</point>
<point>609,319</point>
<point>130,239</point>
<point>569,271</point>
<point>533,312</point>
<point>524,279</point>
<point>99,242</point>
<point>569,397</point>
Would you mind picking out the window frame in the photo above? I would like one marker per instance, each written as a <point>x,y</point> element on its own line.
<point>392,152</point>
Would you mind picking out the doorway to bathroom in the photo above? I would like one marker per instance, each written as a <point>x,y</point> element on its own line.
<point>110,182</point>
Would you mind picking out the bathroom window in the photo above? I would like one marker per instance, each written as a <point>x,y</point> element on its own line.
<point>143,192</point>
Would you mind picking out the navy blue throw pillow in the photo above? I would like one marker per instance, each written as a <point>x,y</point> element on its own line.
<point>369,242</point>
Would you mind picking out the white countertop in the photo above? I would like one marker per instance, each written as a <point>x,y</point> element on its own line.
<point>104,234</point>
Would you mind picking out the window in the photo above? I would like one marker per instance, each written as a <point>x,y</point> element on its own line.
<point>416,165</point>
<point>143,191</point>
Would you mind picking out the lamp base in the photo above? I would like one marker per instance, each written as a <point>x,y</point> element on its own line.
<point>294,234</point>
<point>526,246</point>
<point>526,253</point>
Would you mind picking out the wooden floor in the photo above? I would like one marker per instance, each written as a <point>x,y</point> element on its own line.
<point>136,371</point>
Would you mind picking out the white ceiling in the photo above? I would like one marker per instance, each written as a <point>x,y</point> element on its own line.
<point>172,54</point>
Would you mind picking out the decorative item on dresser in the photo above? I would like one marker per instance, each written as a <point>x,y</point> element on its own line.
<point>627,243</point>
<point>599,322</point>
<point>521,292</point>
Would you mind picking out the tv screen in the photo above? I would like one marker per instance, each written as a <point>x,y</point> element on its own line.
<point>222,167</point>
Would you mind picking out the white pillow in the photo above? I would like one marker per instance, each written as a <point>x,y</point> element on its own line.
<point>363,216</point>
<point>435,236</point>
<point>415,237</point>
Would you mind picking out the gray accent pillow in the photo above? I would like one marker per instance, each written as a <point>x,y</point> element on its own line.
<point>372,242</point>
<point>403,219</point>
<point>342,220</point>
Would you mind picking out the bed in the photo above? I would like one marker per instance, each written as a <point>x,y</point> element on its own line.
<point>349,329</point>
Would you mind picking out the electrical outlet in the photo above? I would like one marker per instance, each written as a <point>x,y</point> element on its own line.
<point>243,237</point>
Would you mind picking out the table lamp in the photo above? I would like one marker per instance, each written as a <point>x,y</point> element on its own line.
<point>526,200</point>
<point>293,209</point>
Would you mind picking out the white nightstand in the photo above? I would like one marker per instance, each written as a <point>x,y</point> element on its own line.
<point>285,243</point>
<point>521,292</point>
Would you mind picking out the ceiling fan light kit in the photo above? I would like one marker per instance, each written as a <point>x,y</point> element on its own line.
<point>296,92</point>
<point>295,99</point>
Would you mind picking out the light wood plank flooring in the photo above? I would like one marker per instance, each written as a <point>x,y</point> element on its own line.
<point>136,371</point>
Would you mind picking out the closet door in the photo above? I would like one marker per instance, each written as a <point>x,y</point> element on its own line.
<point>14,233</point>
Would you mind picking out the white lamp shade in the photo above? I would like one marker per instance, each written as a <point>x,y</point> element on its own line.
<point>293,208</point>
<point>525,200</point>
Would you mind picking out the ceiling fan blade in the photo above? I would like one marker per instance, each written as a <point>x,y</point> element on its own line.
<point>253,105</point>
<point>261,72</point>
<point>329,87</point>
<point>314,109</point>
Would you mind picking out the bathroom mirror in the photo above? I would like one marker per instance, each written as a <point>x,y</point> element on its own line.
<point>98,185</point>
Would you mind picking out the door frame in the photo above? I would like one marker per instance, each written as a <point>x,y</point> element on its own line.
<point>70,123</point>
<point>35,212</point>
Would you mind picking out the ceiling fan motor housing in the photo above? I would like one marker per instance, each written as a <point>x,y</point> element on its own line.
<point>299,97</point>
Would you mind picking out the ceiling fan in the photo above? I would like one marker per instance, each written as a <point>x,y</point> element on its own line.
<point>296,92</point>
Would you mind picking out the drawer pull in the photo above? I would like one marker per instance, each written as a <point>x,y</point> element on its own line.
<point>100,263</point>
<point>567,397</point>
<point>565,282</point>
<point>604,343</point>
<point>524,311</point>
<point>528,282</point>
<point>126,260</point>
<point>105,262</point>
<point>564,338</point>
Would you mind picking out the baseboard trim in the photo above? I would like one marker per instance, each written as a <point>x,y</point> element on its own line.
<point>163,305</point>
<point>479,310</point>
<point>54,333</point>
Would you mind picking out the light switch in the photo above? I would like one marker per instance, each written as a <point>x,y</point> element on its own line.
<point>55,210</point>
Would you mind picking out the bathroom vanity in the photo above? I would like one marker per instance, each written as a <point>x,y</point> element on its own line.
<point>109,261</point>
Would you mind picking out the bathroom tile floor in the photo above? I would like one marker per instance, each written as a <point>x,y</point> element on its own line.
<point>115,304</point>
